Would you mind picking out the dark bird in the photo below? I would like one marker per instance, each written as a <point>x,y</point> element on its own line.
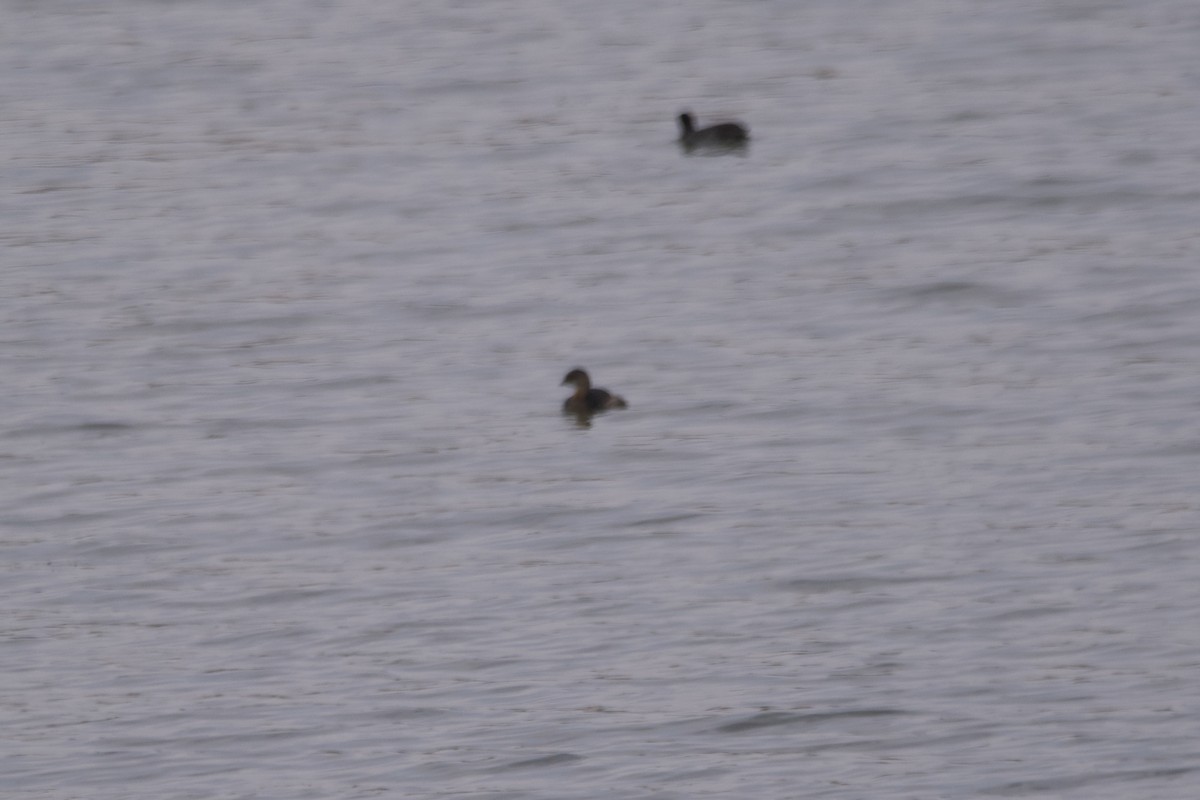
<point>587,400</point>
<point>724,135</point>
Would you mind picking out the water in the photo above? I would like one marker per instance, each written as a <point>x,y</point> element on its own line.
<point>904,505</point>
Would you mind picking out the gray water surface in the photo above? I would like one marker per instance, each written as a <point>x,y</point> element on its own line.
<point>904,506</point>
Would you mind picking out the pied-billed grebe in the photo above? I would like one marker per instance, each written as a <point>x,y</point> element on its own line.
<point>725,134</point>
<point>587,400</point>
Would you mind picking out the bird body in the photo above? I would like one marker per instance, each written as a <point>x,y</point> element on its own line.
<point>726,135</point>
<point>586,399</point>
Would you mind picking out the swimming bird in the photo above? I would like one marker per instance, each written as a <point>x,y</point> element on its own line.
<point>587,400</point>
<point>727,135</point>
